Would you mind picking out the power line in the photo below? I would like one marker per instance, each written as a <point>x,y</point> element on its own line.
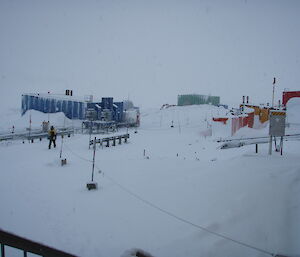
<point>77,155</point>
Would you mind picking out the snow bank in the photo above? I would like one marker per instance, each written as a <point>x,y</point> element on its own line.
<point>14,118</point>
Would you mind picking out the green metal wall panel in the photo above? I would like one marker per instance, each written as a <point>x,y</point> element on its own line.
<point>197,99</point>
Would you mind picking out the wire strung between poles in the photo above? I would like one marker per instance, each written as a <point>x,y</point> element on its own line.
<point>175,216</point>
<point>77,155</point>
<point>187,221</point>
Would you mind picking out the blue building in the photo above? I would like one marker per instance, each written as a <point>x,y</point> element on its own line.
<point>73,108</point>
<point>107,109</point>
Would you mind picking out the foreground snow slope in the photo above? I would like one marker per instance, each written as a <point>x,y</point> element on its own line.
<point>252,198</point>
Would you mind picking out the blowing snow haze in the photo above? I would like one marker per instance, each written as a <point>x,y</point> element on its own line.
<point>149,51</point>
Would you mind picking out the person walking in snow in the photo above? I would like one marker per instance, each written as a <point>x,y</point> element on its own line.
<point>52,137</point>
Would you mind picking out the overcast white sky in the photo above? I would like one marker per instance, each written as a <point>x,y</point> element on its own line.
<point>149,50</point>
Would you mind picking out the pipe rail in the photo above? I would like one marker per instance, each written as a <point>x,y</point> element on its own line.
<point>28,246</point>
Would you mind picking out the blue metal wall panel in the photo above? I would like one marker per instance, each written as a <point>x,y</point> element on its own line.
<point>24,105</point>
<point>36,103</point>
<point>31,103</point>
<point>64,107</point>
<point>107,103</point>
<point>75,110</point>
<point>81,111</point>
<point>58,105</point>
<point>72,109</point>
<point>118,112</point>
<point>52,106</point>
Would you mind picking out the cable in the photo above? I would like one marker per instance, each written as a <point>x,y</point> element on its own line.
<point>187,221</point>
<point>174,215</point>
<point>79,156</point>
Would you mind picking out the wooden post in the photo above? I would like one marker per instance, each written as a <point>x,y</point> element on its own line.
<point>114,141</point>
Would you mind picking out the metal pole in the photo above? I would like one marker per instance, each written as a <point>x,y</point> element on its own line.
<point>273,95</point>
<point>2,250</point>
<point>274,81</point>
<point>94,159</point>
<point>61,147</point>
<point>256,148</point>
<point>270,146</point>
<point>90,134</point>
<point>281,145</point>
<point>62,138</point>
<point>29,126</point>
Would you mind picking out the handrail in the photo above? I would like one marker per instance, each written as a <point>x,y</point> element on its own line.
<point>249,138</point>
<point>27,245</point>
<point>111,138</point>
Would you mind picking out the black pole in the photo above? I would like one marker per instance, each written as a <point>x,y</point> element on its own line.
<point>94,159</point>
<point>90,134</point>
<point>256,148</point>
<point>281,145</point>
<point>61,147</point>
<point>2,250</point>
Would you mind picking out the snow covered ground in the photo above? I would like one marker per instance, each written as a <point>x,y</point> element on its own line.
<point>158,202</point>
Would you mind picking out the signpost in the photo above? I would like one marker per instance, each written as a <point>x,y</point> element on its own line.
<point>92,184</point>
<point>277,127</point>
<point>91,115</point>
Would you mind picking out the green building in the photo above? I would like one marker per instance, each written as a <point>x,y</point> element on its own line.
<point>197,99</point>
